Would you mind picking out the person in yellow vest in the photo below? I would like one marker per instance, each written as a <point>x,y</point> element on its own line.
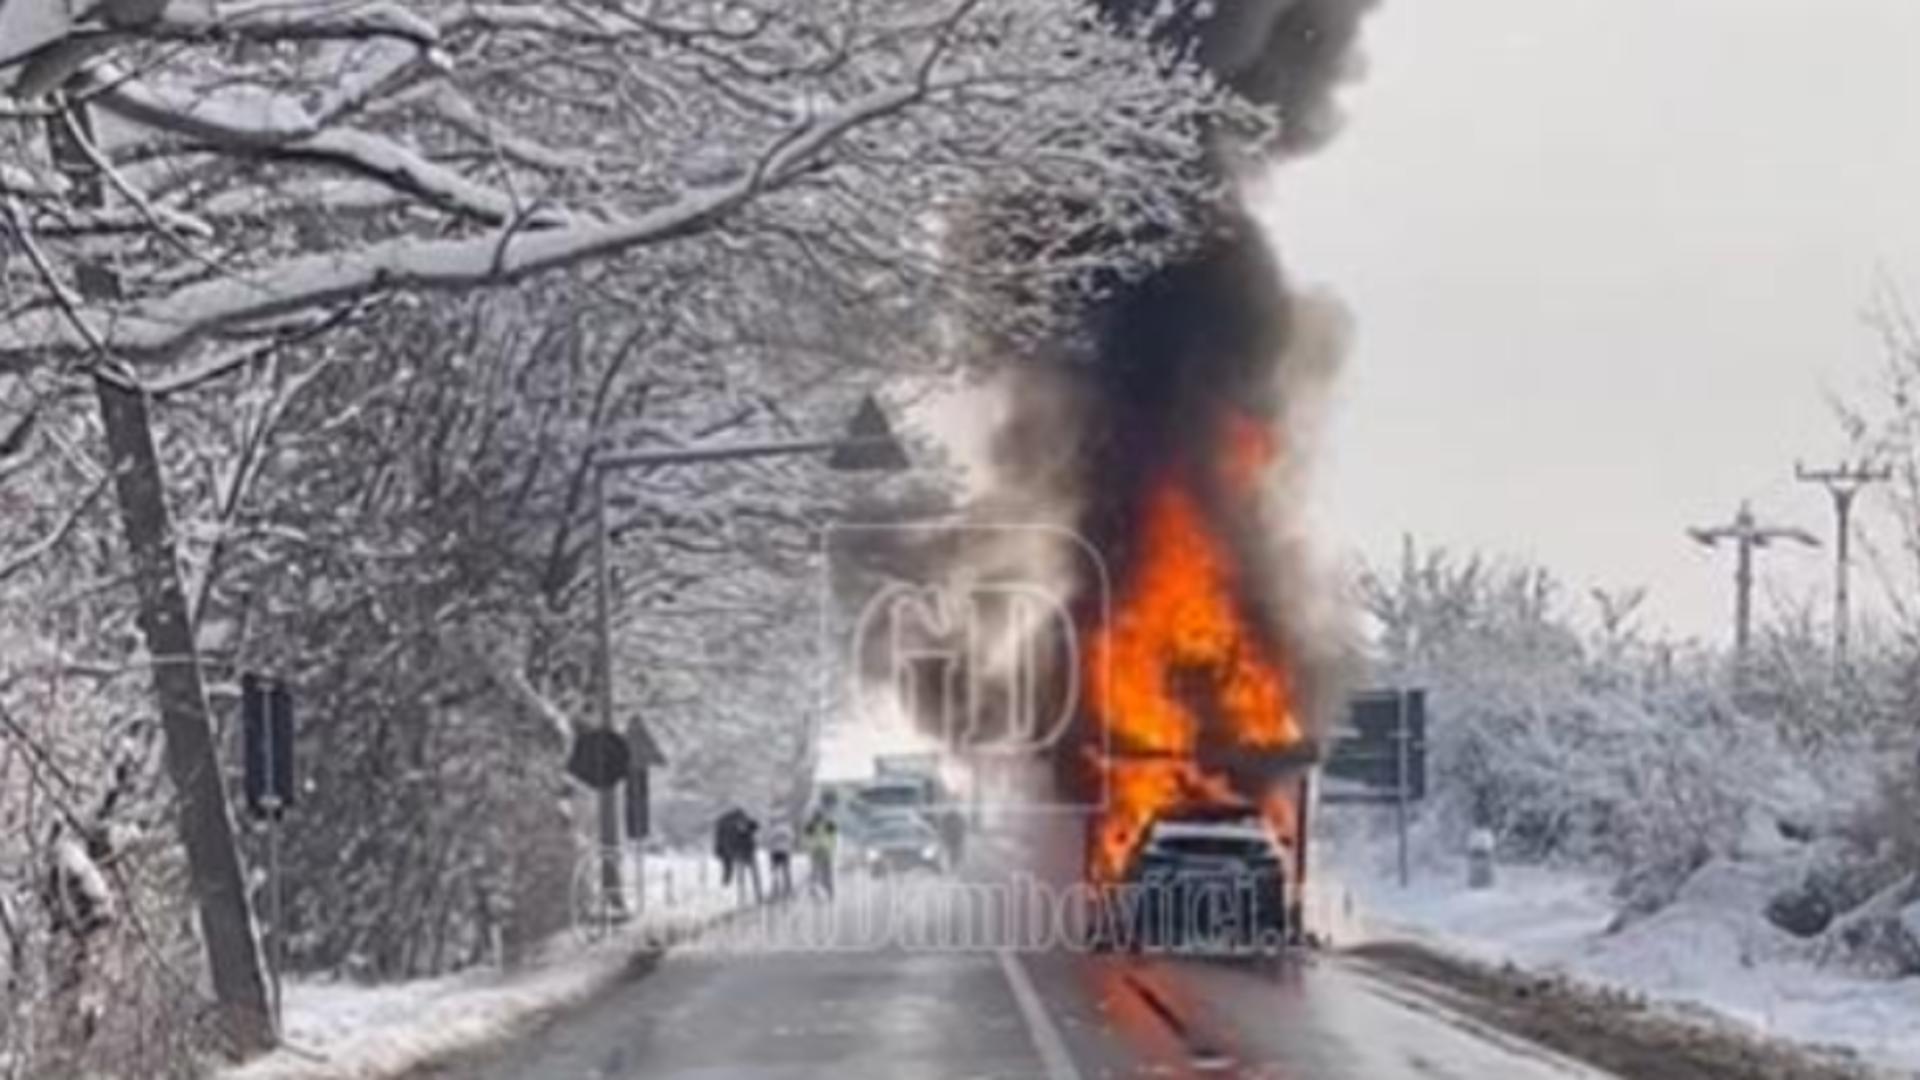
<point>822,837</point>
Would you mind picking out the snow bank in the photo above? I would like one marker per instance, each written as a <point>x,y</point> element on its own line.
<point>336,1030</point>
<point>1711,949</point>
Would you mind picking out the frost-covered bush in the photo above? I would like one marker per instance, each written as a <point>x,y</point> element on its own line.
<point>1570,770</point>
<point>1886,830</point>
<point>1571,743</point>
<point>1879,928</point>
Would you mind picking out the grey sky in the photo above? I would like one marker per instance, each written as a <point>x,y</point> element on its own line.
<point>1607,259</point>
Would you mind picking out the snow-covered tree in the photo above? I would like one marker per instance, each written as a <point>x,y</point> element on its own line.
<point>1567,742</point>
<point>231,170</point>
<point>246,226</point>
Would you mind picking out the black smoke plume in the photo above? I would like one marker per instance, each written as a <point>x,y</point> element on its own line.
<point>1176,355</point>
<point>1291,54</point>
<point>1219,334</point>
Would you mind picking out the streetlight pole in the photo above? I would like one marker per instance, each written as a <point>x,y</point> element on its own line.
<point>868,444</point>
<point>609,799</point>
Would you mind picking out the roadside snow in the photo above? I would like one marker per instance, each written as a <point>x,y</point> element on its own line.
<point>336,1030</point>
<point>1710,949</point>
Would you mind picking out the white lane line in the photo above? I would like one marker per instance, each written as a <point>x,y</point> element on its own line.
<point>1046,1037</point>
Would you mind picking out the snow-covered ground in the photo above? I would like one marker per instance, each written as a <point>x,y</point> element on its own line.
<point>1710,949</point>
<point>338,1029</point>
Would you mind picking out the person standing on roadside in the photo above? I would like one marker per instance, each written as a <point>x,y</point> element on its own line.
<point>780,857</point>
<point>749,858</point>
<point>726,842</point>
<point>822,838</point>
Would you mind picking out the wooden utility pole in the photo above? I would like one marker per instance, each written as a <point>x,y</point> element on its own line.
<point>1746,535</point>
<point>1842,483</point>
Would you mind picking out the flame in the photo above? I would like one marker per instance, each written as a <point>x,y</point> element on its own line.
<point>1180,668</point>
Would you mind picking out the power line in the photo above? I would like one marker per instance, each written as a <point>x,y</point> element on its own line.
<point>1842,483</point>
<point>1746,535</point>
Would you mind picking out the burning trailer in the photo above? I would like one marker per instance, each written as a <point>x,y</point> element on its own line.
<point>1190,700</point>
<point>1223,654</point>
<point>1170,435</point>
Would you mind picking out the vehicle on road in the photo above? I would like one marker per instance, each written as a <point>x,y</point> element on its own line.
<point>911,783</point>
<point>1205,878</point>
<point>897,793</point>
<point>901,842</point>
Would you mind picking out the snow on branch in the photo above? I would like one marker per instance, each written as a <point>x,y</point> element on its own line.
<point>455,111</point>
<point>556,726</point>
<point>240,114</point>
<point>276,20</point>
<point>31,183</point>
<point>514,139</point>
<point>404,170</point>
<point>159,326</point>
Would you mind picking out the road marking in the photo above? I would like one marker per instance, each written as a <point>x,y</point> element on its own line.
<point>1046,1037</point>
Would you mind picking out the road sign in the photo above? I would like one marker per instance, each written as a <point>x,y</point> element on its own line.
<point>639,804</point>
<point>646,751</point>
<point>599,759</point>
<point>870,444</point>
<point>1381,757</point>
<point>645,755</point>
<point>266,720</point>
<point>1382,753</point>
<point>266,735</point>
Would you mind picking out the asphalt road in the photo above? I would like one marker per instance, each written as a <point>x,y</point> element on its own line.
<point>870,987</point>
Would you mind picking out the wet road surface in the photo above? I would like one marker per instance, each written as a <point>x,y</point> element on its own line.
<point>816,991</point>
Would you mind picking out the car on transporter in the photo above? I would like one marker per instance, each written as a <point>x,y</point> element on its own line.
<point>1205,878</point>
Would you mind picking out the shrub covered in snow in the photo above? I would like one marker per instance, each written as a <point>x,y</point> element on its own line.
<point>1589,745</point>
<point>1879,931</point>
<point>1568,743</point>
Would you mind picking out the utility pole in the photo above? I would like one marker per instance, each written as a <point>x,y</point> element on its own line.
<point>867,446</point>
<point>1746,534</point>
<point>1842,483</point>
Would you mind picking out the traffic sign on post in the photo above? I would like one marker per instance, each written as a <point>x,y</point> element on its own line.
<point>599,759</point>
<point>645,755</point>
<point>1382,757</point>
<point>266,735</point>
<point>870,444</point>
<point>1368,756</point>
<point>266,720</point>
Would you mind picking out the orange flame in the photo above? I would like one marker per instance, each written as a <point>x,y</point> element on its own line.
<point>1180,664</point>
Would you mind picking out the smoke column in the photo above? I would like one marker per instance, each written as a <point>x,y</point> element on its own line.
<point>1179,355</point>
<point>1220,332</point>
<point>1291,54</point>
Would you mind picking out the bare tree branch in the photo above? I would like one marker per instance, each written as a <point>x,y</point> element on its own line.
<point>26,557</point>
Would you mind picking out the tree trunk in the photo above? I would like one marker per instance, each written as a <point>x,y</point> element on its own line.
<point>206,827</point>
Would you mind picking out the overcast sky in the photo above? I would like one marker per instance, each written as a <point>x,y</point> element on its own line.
<point>1608,261</point>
